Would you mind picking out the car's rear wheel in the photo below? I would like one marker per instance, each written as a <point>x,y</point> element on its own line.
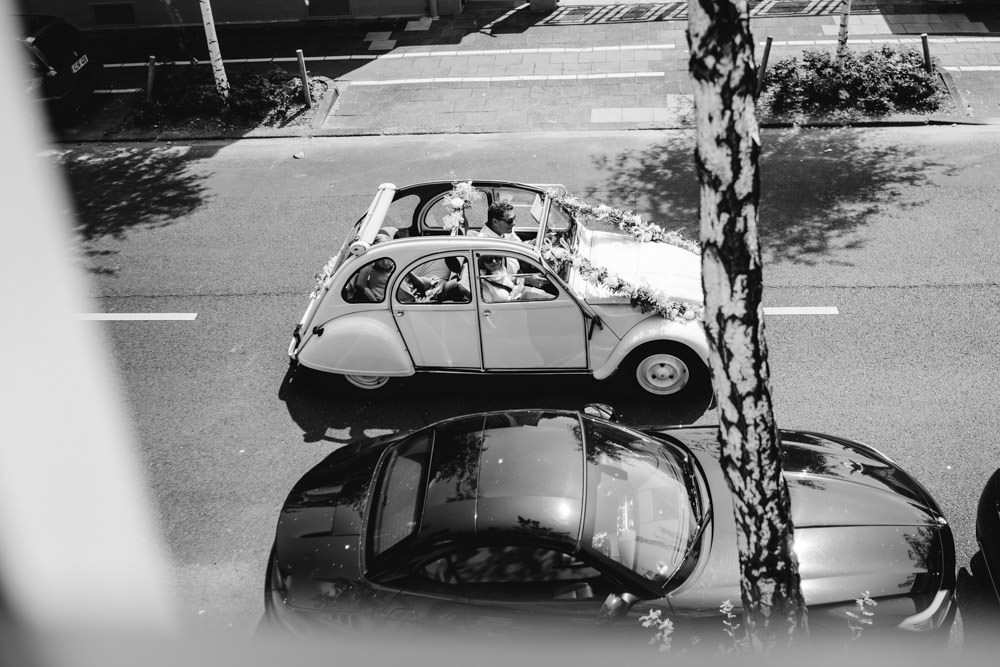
<point>367,382</point>
<point>664,369</point>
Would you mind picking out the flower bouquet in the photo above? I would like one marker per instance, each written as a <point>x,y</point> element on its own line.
<point>458,201</point>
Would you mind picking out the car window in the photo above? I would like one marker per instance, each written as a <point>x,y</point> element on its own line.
<point>639,513</point>
<point>510,572</point>
<point>367,284</point>
<point>475,214</point>
<point>440,280</point>
<point>505,278</point>
<point>399,494</point>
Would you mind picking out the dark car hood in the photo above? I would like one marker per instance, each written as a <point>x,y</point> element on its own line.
<point>861,524</point>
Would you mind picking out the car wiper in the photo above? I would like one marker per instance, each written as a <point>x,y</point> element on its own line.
<point>691,481</point>
<point>706,519</point>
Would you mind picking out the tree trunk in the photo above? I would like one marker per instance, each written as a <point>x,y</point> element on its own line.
<point>845,18</point>
<point>727,150</point>
<point>214,53</point>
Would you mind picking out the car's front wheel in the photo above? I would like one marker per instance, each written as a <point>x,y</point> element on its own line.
<point>367,382</point>
<point>664,369</point>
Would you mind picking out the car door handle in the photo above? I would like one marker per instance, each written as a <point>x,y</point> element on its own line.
<point>486,313</point>
<point>400,313</point>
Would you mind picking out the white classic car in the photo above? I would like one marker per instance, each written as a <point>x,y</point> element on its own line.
<point>412,291</point>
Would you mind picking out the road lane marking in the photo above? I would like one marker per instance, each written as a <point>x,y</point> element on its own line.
<point>449,53</point>
<point>137,316</point>
<point>973,68</point>
<point>802,310</point>
<point>500,79</point>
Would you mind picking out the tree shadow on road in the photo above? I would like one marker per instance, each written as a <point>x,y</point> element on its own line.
<point>819,187</point>
<point>119,189</point>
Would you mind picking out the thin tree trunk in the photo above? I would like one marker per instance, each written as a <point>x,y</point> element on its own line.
<point>727,150</point>
<point>845,19</point>
<point>214,53</point>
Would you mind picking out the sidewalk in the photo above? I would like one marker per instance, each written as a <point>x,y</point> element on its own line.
<point>587,65</point>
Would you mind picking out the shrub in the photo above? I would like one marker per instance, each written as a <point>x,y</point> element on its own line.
<point>186,92</point>
<point>877,82</point>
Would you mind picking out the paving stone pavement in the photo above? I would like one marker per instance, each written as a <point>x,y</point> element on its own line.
<point>587,65</point>
<point>569,71</point>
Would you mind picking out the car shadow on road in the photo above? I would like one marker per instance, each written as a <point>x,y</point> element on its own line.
<point>326,409</point>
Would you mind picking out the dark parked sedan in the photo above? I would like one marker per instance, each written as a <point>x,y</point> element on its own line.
<point>988,529</point>
<point>63,70</point>
<point>534,520</point>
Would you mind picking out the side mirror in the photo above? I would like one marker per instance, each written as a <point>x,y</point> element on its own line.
<point>602,410</point>
<point>615,606</point>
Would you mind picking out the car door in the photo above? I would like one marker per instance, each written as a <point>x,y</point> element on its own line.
<point>434,310</point>
<point>526,320</point>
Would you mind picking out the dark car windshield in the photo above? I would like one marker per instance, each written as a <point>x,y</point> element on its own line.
<point>639,509</point>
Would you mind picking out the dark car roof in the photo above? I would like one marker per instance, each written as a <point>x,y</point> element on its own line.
<point>503,473</point>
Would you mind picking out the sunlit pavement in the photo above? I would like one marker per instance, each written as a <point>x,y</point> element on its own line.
<point>584,66</point>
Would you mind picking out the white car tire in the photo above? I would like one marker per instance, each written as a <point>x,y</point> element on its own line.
<point>367,382</point>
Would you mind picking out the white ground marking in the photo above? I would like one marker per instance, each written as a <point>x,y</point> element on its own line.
<point>137,316</point>
<point>802,310</point>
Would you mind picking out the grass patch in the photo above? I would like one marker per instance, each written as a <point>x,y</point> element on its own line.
<point>882,81</point>
<point>185,95</point>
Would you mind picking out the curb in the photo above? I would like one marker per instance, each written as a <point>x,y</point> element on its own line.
<point>956,94</point>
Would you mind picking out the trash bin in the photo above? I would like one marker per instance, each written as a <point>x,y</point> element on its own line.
<point>543,5</point>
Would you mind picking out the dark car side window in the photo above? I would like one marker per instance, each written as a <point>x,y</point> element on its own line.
<point>509,572</point>
<point>368,283</point>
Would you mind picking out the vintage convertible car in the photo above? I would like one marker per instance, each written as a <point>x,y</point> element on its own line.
<point>406,294</point>
<point>552,520</point>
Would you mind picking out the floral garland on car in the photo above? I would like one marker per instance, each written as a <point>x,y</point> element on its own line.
<point>323,276</point>
<point>627,221</point>
<point>640,296</point>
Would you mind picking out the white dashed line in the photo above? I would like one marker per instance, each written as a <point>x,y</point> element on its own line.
<point>803,310</point>
<point>974,68</point>
<point>136,316</point>
<point>500,79</point>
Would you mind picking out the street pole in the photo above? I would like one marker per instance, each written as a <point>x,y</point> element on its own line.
<point>763,65</point>
<point>150,74</point>
<point>306,97</point>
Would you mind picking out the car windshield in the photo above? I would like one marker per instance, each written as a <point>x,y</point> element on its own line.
<point>639,507</point>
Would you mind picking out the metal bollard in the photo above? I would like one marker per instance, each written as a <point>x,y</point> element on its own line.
<point>927,52</point>
<point>763,65</point>
<point>150,75</point>
<point>306,97</point>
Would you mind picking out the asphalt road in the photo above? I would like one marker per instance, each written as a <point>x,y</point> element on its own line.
<point>894,227</point>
